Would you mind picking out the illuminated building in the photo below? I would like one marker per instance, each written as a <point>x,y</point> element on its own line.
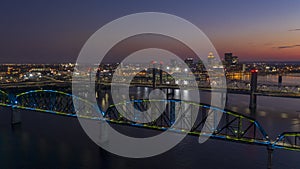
<point>189,62</point>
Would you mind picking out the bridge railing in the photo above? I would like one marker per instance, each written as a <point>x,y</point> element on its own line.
<point>288,140</point>
<point>4,99</point>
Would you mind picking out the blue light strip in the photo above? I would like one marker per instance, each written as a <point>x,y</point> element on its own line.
<point>222,137</point>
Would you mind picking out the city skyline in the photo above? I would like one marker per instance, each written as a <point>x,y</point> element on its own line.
<point>52,32</point>
<point>149,84</point>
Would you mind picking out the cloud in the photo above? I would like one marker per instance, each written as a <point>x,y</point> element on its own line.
<point>269,44</point>
<point>287,46</point>
<point>294,30</point>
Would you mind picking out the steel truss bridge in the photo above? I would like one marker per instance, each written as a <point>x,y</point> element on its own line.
<point>232,127</point>
<point>263,87</point>
<point>233,86</point>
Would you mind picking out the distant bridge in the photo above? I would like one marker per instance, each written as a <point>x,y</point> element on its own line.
<point>233,86</point>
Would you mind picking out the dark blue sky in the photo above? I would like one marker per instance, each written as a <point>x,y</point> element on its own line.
<point>49,31</point>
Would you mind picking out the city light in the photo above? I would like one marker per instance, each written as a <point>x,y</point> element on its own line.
<point>77,77</point>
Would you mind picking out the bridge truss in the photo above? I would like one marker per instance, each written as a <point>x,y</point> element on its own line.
<point>178,116</point>
<point>55,102</point>
<point>4,99</point>
<point>288,141</point>
<point>233,126</point>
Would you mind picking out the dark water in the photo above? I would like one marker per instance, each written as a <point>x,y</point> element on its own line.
<point>52,141</point>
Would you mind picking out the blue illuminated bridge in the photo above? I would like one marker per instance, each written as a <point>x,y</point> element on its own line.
<point>232,127</point>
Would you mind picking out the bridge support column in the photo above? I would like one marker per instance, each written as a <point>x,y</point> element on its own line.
<point>170,93</point>
<point>154,77</point>
<point>103,137</point>
<point>15,116</point>
<point>253,103</point>
<point>224,96</point>
<point>171,105</point>
<point>172,112</point>
<point>270,156</point>
<point>15,113</point>
<point>160,75</point>
<point>279,80</point>
<point>253,90</point>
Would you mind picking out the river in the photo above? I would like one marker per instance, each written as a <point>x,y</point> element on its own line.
<point>52,141</point>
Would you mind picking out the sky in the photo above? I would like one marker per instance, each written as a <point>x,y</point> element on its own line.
<point>54,31</point>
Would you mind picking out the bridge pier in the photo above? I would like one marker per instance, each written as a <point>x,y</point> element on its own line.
<point>270,156</point>
<point>279,80</point>
<point>103,135</point>
<point>253,89</point>
<point>172,113</point>
<point>160,75</point>
<point>15,116</point>
<point>170,95</point>
<point>224,96</point>
<point>15,113</point>
<point>154,76</point>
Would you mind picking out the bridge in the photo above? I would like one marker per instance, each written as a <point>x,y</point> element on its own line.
<point>232,127</point>
<point>233,86</point>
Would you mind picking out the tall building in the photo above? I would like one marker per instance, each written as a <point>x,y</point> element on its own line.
<point>213,62</point>
<point>210,59</point>
<point>228,59</point>
<point>200,66</point>
<point>231,62</point>
<point>235,61</point>
<point>189,62</point>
